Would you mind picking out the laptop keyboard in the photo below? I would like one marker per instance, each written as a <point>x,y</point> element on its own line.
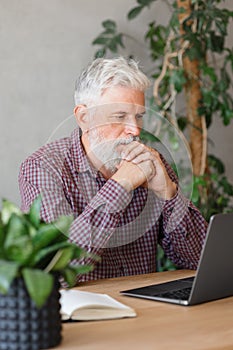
<point>181,294</point>
<point>177,289</point>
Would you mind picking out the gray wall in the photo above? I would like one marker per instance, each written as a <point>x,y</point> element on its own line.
<point>44,46</point>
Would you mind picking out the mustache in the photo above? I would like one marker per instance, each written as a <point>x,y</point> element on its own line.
<point>109,151</point>
<point>126,141</point>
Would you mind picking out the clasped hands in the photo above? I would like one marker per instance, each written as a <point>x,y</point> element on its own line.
<point>142,166</point>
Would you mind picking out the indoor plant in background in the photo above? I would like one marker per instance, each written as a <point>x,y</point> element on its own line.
<point>190,61</point>
<point>33,255</point>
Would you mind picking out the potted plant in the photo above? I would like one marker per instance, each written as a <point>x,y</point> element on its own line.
<point>33,256</point>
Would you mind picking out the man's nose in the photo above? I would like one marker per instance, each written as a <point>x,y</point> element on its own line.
<point>133,128</point>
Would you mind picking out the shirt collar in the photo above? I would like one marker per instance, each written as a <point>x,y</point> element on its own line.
<point>79,158</point>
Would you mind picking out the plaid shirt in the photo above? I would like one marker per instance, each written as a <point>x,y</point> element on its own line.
<point>123,228</point>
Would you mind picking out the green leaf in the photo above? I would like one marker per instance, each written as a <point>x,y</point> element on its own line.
<point>147,136</point>
<point>61,259</point>
<point>156,35</point>
<point>34,212</point>
<point>145,2</point>
<point>16,229</point>
<point>227,116</point>
<point>79,252</point>
<point>2,239</point>
<point>160,252</point>
<point>174,141</point>
<point>63,224</point>
<point>69,275</point>
<point>222,27</point>
<point>90,255</point>
<point>100,40</point>
<point>194,52</point>
<point>178,79</point>
<point>20,250</point>
<point>217,42</point>
<point>134,12</point>
<point>8,271</point>
<point>109,24</point>
<point>229,57</point>
<point>199,181</point>
<point>9,208</point>
<point>49,232</point>
<point>42,256</point>
<point>207,70</point>
<point>119,40</point>
<point>39,285</point>
<point>45,236</point>
<point>195,195</point>
<point>100,53</point>
<point>182,123</point>
<point>112,45</point>
<point>216,163</point>
<point>228,188</point>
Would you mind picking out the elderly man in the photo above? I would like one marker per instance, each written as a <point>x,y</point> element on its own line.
<point>123,195</point>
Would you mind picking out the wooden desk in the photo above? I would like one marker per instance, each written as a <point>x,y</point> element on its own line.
<point>158,325</point>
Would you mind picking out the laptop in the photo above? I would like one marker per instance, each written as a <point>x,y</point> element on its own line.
<point>214,276</point>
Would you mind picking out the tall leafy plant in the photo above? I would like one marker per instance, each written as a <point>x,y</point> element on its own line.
<point>190,57</point>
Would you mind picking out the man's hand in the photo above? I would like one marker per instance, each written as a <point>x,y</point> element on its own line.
<point>143,166</point>
<point>131,176</point>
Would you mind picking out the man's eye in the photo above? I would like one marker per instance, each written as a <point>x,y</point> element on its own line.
<point>139,116</point>
<point>120,116</point>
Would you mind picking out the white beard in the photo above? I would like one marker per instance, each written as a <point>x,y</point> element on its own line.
<point>106,150</point>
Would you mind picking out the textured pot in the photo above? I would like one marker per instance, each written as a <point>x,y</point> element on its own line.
<point>25,327</point>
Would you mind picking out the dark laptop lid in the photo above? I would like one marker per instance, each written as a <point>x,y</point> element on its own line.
<point>214,277</point>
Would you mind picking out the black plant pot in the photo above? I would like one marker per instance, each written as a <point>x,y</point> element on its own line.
<point>25,327</point>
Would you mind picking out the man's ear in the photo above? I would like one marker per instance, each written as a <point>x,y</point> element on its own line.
<point>81,116</point>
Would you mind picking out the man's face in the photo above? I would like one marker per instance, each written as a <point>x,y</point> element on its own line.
<point>117,120</point>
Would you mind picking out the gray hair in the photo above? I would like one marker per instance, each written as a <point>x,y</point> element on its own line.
<point>104,73</point>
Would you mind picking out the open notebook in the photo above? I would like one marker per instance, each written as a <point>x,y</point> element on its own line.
<point>214,277</point>
<point>86,306</point>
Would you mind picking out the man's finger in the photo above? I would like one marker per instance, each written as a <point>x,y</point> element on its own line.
<point>132,150</point>
<point>142,158</point>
